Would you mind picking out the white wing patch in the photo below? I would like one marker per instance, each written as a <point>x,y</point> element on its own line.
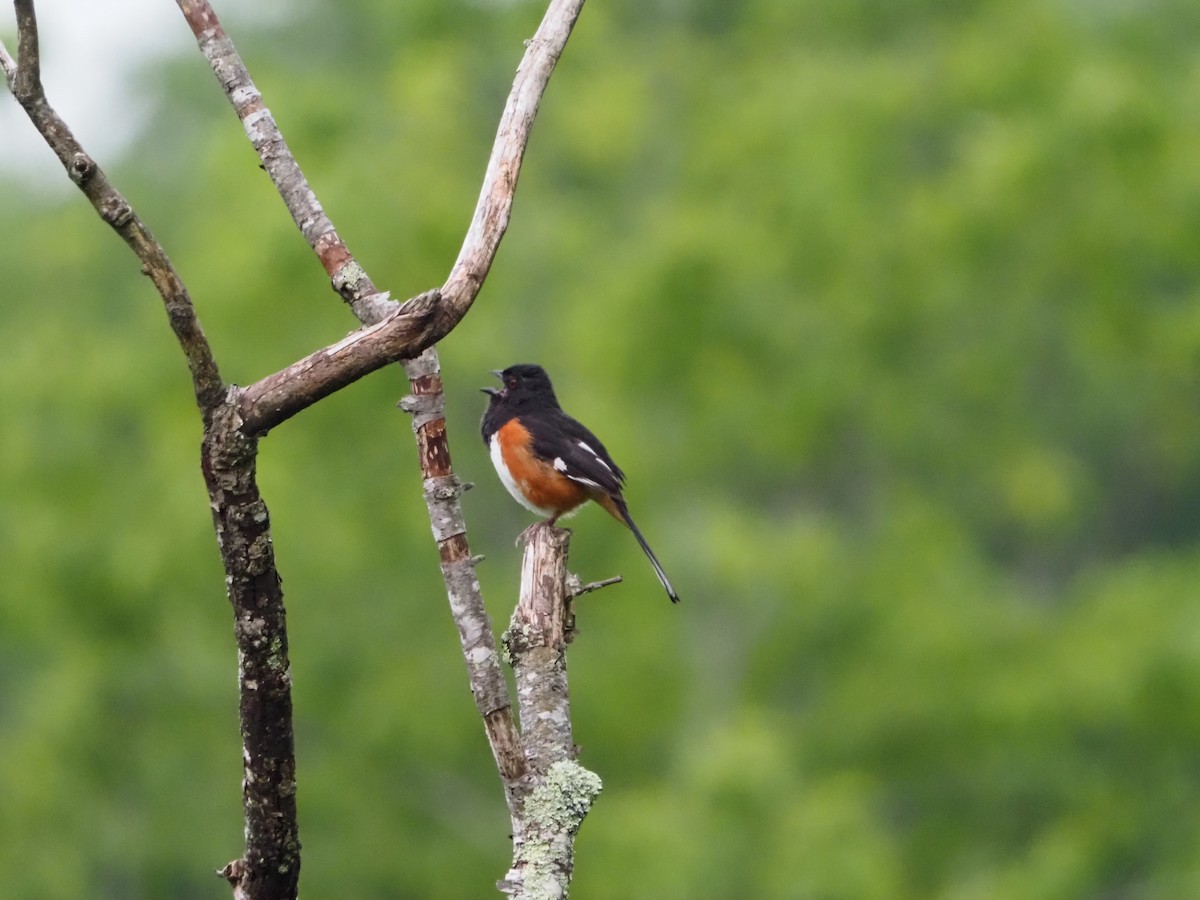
<point>586,446</point>
<point>561,466</point>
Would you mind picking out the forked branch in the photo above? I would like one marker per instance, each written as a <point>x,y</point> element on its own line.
<point>426,403</point>
<point>547,792</point>
<point>489,222</point>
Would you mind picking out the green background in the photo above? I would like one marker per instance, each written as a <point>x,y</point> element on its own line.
<point>889,311</point>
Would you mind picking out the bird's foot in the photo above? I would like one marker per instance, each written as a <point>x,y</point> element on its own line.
<point>524,536</point>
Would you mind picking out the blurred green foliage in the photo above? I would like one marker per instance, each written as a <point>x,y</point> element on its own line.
<point>891,313</point>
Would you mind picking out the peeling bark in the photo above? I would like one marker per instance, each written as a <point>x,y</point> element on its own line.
<point>545,826</point>
<point>547,792</point>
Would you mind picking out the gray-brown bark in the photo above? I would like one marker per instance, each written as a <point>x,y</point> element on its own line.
<point>24,78</point>
<point>547,792</point>
<point>442,490</point>
<point>563,791</point>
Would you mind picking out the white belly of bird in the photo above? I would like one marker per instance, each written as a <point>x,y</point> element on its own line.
<point>511,483</point>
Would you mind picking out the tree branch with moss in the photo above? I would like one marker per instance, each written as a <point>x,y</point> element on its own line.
<point>548,793</point>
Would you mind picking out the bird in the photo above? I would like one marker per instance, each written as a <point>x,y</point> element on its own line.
<point>549,462</point>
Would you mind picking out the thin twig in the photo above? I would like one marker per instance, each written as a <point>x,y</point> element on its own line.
<point>579,590</point>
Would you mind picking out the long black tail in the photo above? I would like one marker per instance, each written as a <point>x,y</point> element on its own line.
<point>619,503</point>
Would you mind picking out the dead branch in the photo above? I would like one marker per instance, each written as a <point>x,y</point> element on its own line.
<point>278,397</point>
<point>504,165</point>
<point>235,417</point>
<point>426,403</point>
<point>442,492</point>
<point>536,643</point>
<point>271,865</point>
<point>577,589</point>
<point>348,277</point>
<point>25,80</point>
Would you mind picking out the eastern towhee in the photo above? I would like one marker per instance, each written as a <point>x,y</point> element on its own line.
<point>549,462</point>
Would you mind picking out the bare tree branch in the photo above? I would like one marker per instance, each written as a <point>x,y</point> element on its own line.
<point>442,492</point>
<point>512,136</point>
<point>24,77</point>
<point>271,865</point>
<point>546,810</point>
<point>536,642</point>
<point>491,216</point>
<point>442,488</point>
<point>280,396</point>
<point>347,276</point>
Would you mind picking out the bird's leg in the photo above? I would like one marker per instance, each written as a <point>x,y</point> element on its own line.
<point>552,522</point>
<point>523,537</point>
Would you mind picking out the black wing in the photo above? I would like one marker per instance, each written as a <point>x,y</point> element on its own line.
<point>573,450</point>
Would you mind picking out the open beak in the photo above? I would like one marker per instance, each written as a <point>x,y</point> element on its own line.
<point>491,391</point>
